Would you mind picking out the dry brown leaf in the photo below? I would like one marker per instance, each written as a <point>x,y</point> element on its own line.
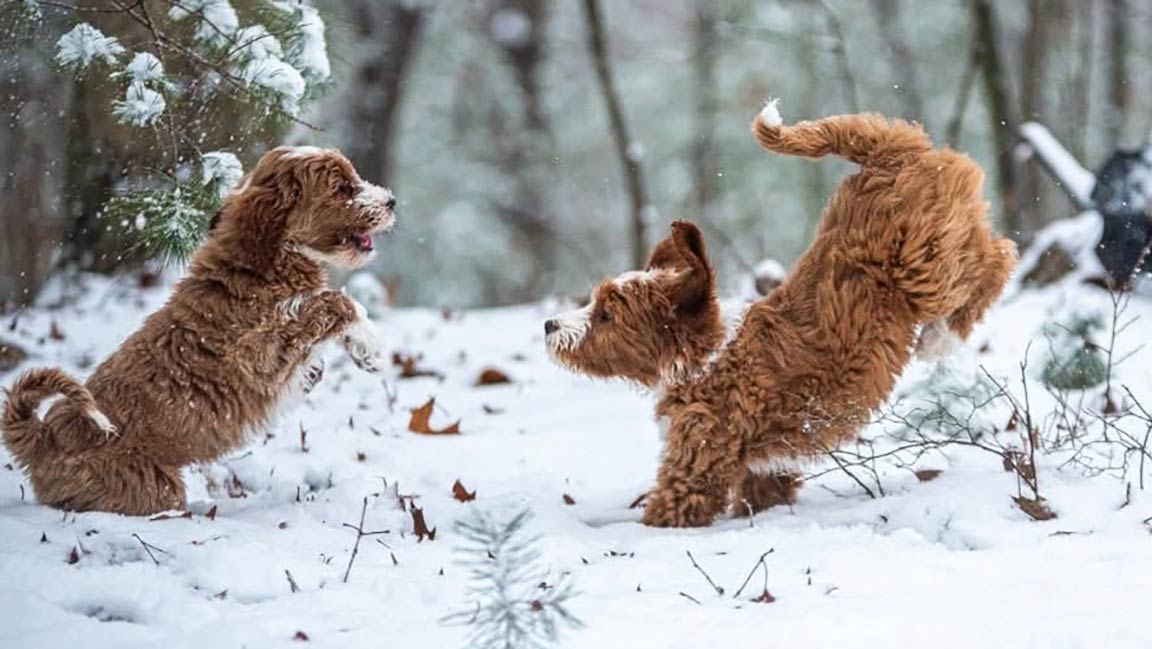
<point>462,494</point>
<point>1013,421</point>
<point>765,598</point>
<point>420,527</point>
<point>409,366</point>
<point>492,376</point>
<point>569,500</point>
<point>928,475</point>
<point>54,331</point>
<point>212,513</point>
<point>300,637</point>
<point>1037,508</point>
<point>74,556</point>
<point>420,422</point>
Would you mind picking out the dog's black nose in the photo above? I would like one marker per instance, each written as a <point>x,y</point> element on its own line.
<point>551,326</point>
<point>391,204</point>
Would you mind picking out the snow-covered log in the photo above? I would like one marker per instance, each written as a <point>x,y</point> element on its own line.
<point>1076,181</point>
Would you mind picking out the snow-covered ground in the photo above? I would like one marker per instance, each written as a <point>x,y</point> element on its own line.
<point>947,563</point>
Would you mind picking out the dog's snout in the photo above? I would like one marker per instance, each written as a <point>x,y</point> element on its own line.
<point>551,327</point>
<point>390,204</point>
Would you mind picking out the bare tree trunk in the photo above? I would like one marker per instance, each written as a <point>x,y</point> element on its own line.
<point>1078,86</point>
<point>704,68</point>
<point>840,51</point>
<point>630,156</point>
<point>888,12</point>
<point>1002,117</point>
<point>1119,97</point>
<point>524,155</point>
<point>379,83</point>
<point>1044,17</point>
<point>524,53</point>
<point>960,106</point>
<point>89,173</point>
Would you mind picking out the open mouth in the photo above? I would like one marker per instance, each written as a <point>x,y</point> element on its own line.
<point>363,242</point>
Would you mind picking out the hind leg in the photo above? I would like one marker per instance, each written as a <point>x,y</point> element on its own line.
<point>759,491</point>
<point>997,262</point>
<point>120,482</point>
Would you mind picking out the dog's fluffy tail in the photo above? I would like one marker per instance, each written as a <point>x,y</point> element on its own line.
<point>24,432</point>
<point>863,139</point>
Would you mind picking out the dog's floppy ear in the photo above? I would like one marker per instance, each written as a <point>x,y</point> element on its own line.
<point>694,285</point>
<point>257,214</point>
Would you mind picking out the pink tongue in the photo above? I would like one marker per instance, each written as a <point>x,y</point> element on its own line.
<point>365,241</point>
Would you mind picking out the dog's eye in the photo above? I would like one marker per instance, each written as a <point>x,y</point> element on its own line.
<point>605,316</point>
<point>346,188</point>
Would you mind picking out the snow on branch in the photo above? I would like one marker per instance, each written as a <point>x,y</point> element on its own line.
<point>141,105</point>
<point>1076,181</point>
<point>85,44</point>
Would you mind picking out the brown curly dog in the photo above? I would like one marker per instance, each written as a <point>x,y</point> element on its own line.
<point>210,366</point>
<point>904,246</point>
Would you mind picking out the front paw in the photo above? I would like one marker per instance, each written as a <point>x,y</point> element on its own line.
<point>665,509</point>
<point>312,375</point>
<point>362,343</point>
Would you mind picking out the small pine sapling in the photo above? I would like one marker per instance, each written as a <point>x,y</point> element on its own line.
<point>514,607</point>
<point>1076,362</point>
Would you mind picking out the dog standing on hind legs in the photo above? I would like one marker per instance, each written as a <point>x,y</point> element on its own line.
<point>904,259</point>
<point>237,335</point>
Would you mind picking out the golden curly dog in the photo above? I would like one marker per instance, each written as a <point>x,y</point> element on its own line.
<point>904,245</point>
<point>210,366</point>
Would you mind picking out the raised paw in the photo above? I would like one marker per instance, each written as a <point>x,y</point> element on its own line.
<point>362,343</point>
<point>665,509</point>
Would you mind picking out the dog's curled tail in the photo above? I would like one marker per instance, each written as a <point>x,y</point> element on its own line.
<point>863,139</point>
<point>23,430</point>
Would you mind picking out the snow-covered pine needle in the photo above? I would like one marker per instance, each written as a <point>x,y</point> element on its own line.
<point>85,44</point>
<point>513,607</point>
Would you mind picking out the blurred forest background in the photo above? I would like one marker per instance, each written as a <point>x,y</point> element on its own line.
<point>539,145</point>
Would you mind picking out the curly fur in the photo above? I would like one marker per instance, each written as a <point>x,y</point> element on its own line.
<point>211,365</point>
<point>904,242</point>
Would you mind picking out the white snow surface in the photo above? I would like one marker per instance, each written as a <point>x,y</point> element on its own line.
<point>947,563</point>
<point>1080,180</point>
<point>84,44</point>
